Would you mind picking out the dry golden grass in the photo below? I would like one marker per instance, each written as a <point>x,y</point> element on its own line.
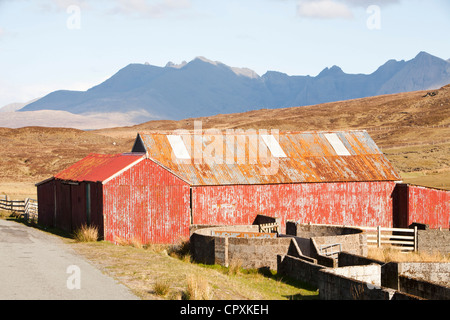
<point>133,242</point>
<point>388,254</point>
<point>234,266</point>
<point>4,214</point>
<point>181,251</point>
<point>141,269</point>
<point>17,190</point>
<point>161,288</point>
<point>86,234</point>
<point>197,288</point>
<point>137,243</point>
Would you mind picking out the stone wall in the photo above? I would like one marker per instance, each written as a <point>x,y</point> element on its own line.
<point>389,271</point>
<point>336,286</point>
<point>308,230</point>
<point>299,268</point>
<point>428,271</point>
<point>370,274</point>
<point>208,249</point>
<point>322,237</point>
<point>409,280</point>
<point>434,240</point>
<point>248,252</point>
<point>333,286</point>
<point>256,253</point>
<point>424,289</point>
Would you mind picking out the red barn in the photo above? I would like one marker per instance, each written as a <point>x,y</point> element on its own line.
<point>171,181</point>
<point>124,195</point>
<point>420,204</point>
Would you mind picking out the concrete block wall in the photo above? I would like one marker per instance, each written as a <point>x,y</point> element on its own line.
<point>305,270</point>
<point>369,273</point>
<point>257,253</point>
<point>389,271</point>
<point>333,286</point>
<point>423,289</point>
<point>307,230</point>
<point>208,249</point>
<point>249,252</point>
<point>434,240</point>
<point>351,239</point>
<point>353,243</point>
<point>428,271</point>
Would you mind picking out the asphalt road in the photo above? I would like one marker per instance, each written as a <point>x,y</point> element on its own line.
<point>35,265</point>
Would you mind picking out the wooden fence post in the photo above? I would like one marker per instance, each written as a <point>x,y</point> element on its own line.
<point>378,236</point>
<point>415,239</point>
<point>225,253</point>
<point>25,209</point>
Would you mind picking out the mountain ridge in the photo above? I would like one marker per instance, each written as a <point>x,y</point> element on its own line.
<point>204,87</point>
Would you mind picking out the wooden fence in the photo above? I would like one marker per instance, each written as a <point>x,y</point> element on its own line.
<point>27,208</point>
<point>395,238</point>
<point>269,228</point>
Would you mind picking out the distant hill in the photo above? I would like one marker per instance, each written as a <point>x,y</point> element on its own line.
<point>12,107</point>
<point>203,87</point>
<point>412,128</point>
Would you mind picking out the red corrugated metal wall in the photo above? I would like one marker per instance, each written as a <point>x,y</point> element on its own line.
<point>349,203</point>
<point>147,203</point>
<point>429,206</point>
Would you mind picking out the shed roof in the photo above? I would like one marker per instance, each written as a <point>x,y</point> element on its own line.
<point>99,167</point>
<point>255,157</point>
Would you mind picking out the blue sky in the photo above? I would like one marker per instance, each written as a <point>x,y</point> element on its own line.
<point>46,45</point>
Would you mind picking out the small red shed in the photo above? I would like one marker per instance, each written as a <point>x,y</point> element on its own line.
<point>173,180</point>
<point>124,195</point>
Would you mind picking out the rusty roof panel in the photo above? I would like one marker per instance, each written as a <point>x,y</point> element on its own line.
<point>243,158</point>
<point>97,167</point>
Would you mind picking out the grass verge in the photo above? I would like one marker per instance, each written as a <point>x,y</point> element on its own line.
<point>86,234</point>
<point>157,273</point>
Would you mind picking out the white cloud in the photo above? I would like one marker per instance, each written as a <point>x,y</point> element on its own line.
<point>323,9</point>
<point>145,8</point>
<point>60,5</point>
<point>336,9</point>
<point>366,3</point>
<point>137,8</point>
<point>64,4</point>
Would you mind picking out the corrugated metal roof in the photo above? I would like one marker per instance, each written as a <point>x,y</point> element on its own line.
<point>98,167</point>
<point>233,157</point>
